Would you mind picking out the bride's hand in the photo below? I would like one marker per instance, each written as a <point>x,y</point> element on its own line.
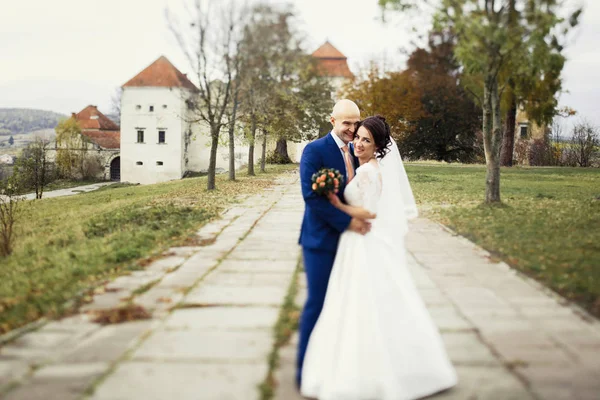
<point>333,199</point>
<point>364,214</point>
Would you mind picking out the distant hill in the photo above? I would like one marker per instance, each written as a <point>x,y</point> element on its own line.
<point>17,121</point>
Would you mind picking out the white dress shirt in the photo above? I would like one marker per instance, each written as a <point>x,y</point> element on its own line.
<point>341,144</point>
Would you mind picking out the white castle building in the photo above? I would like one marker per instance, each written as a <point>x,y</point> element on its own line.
<point>158,141</point>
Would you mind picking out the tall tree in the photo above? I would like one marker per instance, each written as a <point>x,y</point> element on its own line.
<point>446,131</point>
<point>394,94</point>
<point>33,168</point>
<point>10,210</point>
<point>208,39</point>
<point>71,148</point>
<point>490,37</point>
<point>533,81</point>
<point>257,51</point>
<point>11,141</point>
<point>284,97</point>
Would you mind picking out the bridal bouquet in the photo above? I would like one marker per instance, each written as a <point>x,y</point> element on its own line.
<point>326,180</point>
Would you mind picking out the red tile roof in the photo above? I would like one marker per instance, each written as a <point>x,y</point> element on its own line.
<point>104,139</point>
<point>332,62</point>
<point>161,73</point>
<point>91,118</point>
<point>98,128</point>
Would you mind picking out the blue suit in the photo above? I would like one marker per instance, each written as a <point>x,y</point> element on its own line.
<point>321,229</point>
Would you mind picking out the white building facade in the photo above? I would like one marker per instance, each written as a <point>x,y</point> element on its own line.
<point>159,140</point>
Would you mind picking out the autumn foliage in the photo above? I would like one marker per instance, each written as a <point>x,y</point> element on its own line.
<point>431,115</point>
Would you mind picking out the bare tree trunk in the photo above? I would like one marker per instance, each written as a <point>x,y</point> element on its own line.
<point>281,152</point>
<point>251,147</point>
<point>492,138</point>
<point>263,160</point>
<point>232,140</point>
<point>212,164</point>
<point>508,144</point>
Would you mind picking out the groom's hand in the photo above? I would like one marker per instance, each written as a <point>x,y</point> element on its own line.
<point>359,226</point>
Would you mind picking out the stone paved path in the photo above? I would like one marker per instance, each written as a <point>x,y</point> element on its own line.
<point>508,337</point>
<point>69,191</point>
<point>214,307</point>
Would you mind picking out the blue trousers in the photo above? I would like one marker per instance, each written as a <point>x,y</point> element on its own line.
<point>317,265</point>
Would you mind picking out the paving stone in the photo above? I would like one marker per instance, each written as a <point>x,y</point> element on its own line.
<point>12,370</point>
<point>78,325</point>
<point>223,278</point>
<point>179,279</point>
<point>159,298</point>
<point>58,382</point>
<point>108,343</point>
<point>199,263</point>
<point>223,318</point>
<point>237,295</point>
<point>485,383</point>
<point>206,346</point>
<point>284,266</point>
<point>285,376</point>
<point>276,255</point>
<point>107,300</point>
<point>147,381</point>
<point>446,318</point>
<point>465,348</point>
<point>555,382</point>
<point>183,251</point>
<point>433,297</point>
<point>125,284</point>
<point>166,264</point>
<point>40,339</point>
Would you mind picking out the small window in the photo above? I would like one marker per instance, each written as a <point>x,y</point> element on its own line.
<point>159,163</point>
<point>524,131</point>
<point>140,138</point>
<point>138,107</point>
<point>161,136</point>
<point>151,108</point>
<point>165,106</point>
<point>139,163</point>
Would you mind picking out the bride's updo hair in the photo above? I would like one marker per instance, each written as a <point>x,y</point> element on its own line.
<point>380,131</point>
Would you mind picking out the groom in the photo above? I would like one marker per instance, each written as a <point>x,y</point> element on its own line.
<point>323,223</point>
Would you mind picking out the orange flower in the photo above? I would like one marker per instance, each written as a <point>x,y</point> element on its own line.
<point>331,174</point>
<point>322,184</point>
<point>323,177</point>
<point>314,186</point>
<point>336,182</point>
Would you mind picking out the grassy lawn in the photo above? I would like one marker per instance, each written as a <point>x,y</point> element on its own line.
<point>66,246</point>
<point>548,226</point>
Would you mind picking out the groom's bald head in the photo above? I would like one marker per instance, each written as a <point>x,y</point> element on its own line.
<point>344,117</point>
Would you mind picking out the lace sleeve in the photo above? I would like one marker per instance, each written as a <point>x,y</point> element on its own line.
<point>369,187</point>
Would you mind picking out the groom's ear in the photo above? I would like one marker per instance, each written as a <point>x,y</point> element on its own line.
<point>332,120</point>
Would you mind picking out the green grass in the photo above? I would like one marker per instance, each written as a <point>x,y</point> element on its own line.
<point>66,246</point>
<point>547,227</point>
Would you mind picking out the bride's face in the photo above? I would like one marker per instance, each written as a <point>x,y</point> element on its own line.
<point>364,145</point>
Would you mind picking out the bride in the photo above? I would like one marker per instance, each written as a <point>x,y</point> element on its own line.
<point>374,339</point>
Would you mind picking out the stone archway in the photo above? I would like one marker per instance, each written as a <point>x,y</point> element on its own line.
<point>115,169</point>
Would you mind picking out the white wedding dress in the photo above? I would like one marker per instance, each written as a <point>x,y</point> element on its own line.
<point>374,339</point>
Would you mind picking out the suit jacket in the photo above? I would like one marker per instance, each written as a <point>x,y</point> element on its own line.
<point>323,223</point>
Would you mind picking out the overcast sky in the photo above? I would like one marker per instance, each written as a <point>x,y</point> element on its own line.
<point>62,55</point>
